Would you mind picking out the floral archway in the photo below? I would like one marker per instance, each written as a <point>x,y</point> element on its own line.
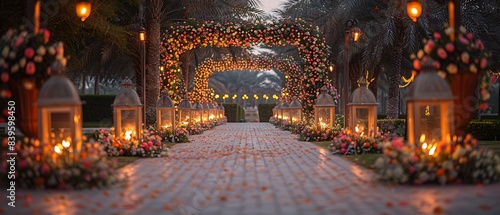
<point>286,65</point>
<point>191,34</point>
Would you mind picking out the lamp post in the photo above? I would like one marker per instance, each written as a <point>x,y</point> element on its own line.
<point>83,9</point>
<point>244,97</point>
<point>275,97</point>
<point>142,39</point>
<point>414,10</point>
<point>351,29</point>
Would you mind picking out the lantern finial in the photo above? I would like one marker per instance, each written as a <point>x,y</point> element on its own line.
<point>362,82</point>
<point>323,89</point>
<point>126,83</point>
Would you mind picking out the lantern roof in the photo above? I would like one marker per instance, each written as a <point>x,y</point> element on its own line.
<point>197,106</point>
<point>127,96</point>
<point>58,90</point>
<point>216,106</point>
<point>295,103</point>
<point>324,99</point>
<point>428,85</point>
<point>221,107</point>
<point>210,105</point>
<point>285,105</point>
<point>205,105</point>
<point>185,103</point>
<point>165,102</point>
<point>363,96</point>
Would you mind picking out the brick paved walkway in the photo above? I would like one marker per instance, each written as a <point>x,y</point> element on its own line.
<point>253,168</point>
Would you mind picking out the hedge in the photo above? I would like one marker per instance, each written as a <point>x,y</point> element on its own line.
<point>265,112</point>
<point>480,129</point>
<point>97,108</point>
<point>234,112</point>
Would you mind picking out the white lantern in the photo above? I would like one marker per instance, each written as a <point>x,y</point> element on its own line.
<point>127,110</point>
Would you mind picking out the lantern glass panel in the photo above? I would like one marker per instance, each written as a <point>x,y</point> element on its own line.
<point>166,119</point>
<point>362,119</point>
<point>128,122</point>
<point>324,117</point>
<point>295,115</point>
<point>429,122</point>
<point>197,116</point>
<point>184,117</point>
<point>60,126</point>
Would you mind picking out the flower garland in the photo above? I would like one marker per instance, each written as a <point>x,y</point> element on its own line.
<point>458,161</point>
<point>310,43</point>
<point>287,65</point>
<point>465,54</point>
<point>27,56</point>
<point>149,145</point>
<point>35,169</point>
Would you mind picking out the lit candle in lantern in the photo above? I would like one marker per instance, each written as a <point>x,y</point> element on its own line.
<point>128,135</point>
<point>433,149</point>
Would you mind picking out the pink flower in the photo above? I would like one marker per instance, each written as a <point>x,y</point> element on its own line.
<point>46,35</point>
<point>158,143</point>
<point>470,36</point>
<point>493,79</point>
<point>343,150</point>
<point>449,47</point>
<point>150,144</point>
<point>465,57</point>
<point>483,63</point>
<point>463,40</point>
<point>397,143</point>
<point>122,152</point>
<point>479,45</point>
<point>437,35</point>
<point>30,68</point>
<point>101,131</point>
<point>45,168</point>
<point>483,106</point>
<point>88,177</point>
<point>19,41</point>
<point>5,77</point>
<point>442,53</point>
<point>29,53</point>
<point>177,134</point>
<point>23,164</point>
<point>343,145</point>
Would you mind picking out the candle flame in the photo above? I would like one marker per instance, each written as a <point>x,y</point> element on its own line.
<point>433,149</point>
<point>422,138</point>
<point>424,146</point>
<point>356,128</point>
<point>65,143</point>
<point>57,149</point>
<point>127,135</point>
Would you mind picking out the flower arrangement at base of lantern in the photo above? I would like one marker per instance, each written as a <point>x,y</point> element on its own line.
<point>318,133</point>
<point>149,145</point>
<point>349,143</point>
<point>39,166</point>
<point>299,127</point>
<point>179,135</point>
<point>456,161</point>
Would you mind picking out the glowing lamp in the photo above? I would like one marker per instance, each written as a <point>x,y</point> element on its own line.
<point>429,92</point>
<point>363,109</point>
<point>60,112</point>
<point>324,109</point>
<point>414,9</point>
<point>165,113</point>
<point>83,9</point>
<point>127,111</point>
<point>185,112</point>
<point>295,111</point>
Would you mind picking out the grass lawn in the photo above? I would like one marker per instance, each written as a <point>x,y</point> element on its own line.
<point>97,124</point>
<point>123,161</point>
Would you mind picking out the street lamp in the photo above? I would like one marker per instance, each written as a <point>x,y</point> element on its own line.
<point>142,39</point>
<point>256,97</point>
<point>265,97</point>
<point>275,97</point>
<point>414,9</point>
<point>83,8</point>
<point>351,29</point>
<point>244,97</point>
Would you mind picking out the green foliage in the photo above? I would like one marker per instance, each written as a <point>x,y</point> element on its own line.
<point>234,112</point>
<point>97,108</point>
<point>484,130</point>
<point>265,112</point>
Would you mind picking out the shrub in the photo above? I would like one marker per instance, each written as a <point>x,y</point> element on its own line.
<point>234,112</point>
<point>265,112</point>
<point>484,130</point>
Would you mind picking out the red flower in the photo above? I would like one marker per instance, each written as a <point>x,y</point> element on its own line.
<point>449,47</point>
<point>29,53</point>
<point>5,77</point>
<point>30,68</point>
<point>483,106</point>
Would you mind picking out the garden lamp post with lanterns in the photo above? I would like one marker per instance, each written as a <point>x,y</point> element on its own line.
<point>363,108</point>
<point>142,39</point>
<point>355,32</point>
<point>127,109</point>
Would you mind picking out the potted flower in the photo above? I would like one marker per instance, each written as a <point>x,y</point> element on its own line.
<point>25,64</point>
<point>463,62</point>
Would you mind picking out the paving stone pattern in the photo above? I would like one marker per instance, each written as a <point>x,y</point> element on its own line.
<point>254,168</point>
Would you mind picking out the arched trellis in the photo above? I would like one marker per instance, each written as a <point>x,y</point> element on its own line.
<point>286,65</point>
<point>191,34</point>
